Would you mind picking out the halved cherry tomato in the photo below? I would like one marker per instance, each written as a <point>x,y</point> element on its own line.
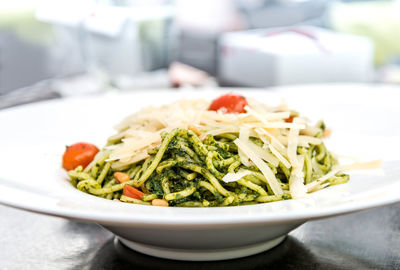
<point>230,103</point>
<point>132,192</point>
<point>78,154</point>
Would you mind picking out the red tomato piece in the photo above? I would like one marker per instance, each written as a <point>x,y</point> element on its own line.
<point>78,154</point>
<point>229,103</point>
<point>132,192</point>
<point>290,119</point>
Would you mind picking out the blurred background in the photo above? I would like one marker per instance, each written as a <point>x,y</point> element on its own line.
<point>50,49</point>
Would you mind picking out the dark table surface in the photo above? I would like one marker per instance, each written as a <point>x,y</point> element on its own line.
<point>364,240</point>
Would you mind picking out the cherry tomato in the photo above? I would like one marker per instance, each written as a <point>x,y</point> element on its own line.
<point>78,154</point>
<point>230,103</point>
<point>132,192</point>
<point>290,119</point>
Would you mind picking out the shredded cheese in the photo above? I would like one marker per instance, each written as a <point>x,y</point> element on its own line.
<point>262,166</point>
<point>368,165</point>
<point>296,180</point>
<point>275,142</point>
<point>244,137</point>
<point>279,156</point>
<point>322,179</point>
<point>233,177</point>
<point>292,146</point>
<point>302,140</point>
<point>280,139</point>
<point>263,153</point>
<point>277,124</point>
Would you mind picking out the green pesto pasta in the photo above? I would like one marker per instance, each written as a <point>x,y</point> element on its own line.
<point>185,155</point>
<point>185,173</point>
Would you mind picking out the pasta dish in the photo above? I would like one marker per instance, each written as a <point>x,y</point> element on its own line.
<point>196,153</point>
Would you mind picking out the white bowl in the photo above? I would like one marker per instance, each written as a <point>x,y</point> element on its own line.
<point>364,121</point>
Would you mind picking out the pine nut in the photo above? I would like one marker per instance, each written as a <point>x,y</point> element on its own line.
<point>159,202</point>
<point>121,177</point>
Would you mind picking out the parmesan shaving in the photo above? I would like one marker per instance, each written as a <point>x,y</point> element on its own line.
<point>310,131</point>
<point>233,177</point>
<point>317,187</point>
<point>244,137</point>
<point>273,124</point>
<point>279,156</point>
<point>275,142</point>
<point>263,153</point>
<point>368,165</point>
<point>302,140</point>
<point>296,180</point>
<point>322,179</point>
<point>292,146</point>
<point>230,129</point>
<point>328,175</point>
<point>262,166</point>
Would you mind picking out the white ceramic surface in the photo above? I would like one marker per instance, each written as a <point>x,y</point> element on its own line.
<point>202,254</point>
<point>364,119</point>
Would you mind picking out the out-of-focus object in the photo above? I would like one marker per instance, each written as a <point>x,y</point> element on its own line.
<point>26,47</point>
<point>199,24</point>
<point>389,74</point>
<point>37,92</point>
<point>115,39</point>
<point>293,55</point>
<point>208,16</point>
<point>181,75</point>
<point>278,13</point>
<point>378,20</point>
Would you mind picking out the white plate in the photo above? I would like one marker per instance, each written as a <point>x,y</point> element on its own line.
<point>365,122</point>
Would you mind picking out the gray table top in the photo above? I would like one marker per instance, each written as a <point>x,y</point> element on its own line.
<point>364,240</point>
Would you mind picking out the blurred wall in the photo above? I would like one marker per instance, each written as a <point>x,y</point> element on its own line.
<point>21,63</point>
